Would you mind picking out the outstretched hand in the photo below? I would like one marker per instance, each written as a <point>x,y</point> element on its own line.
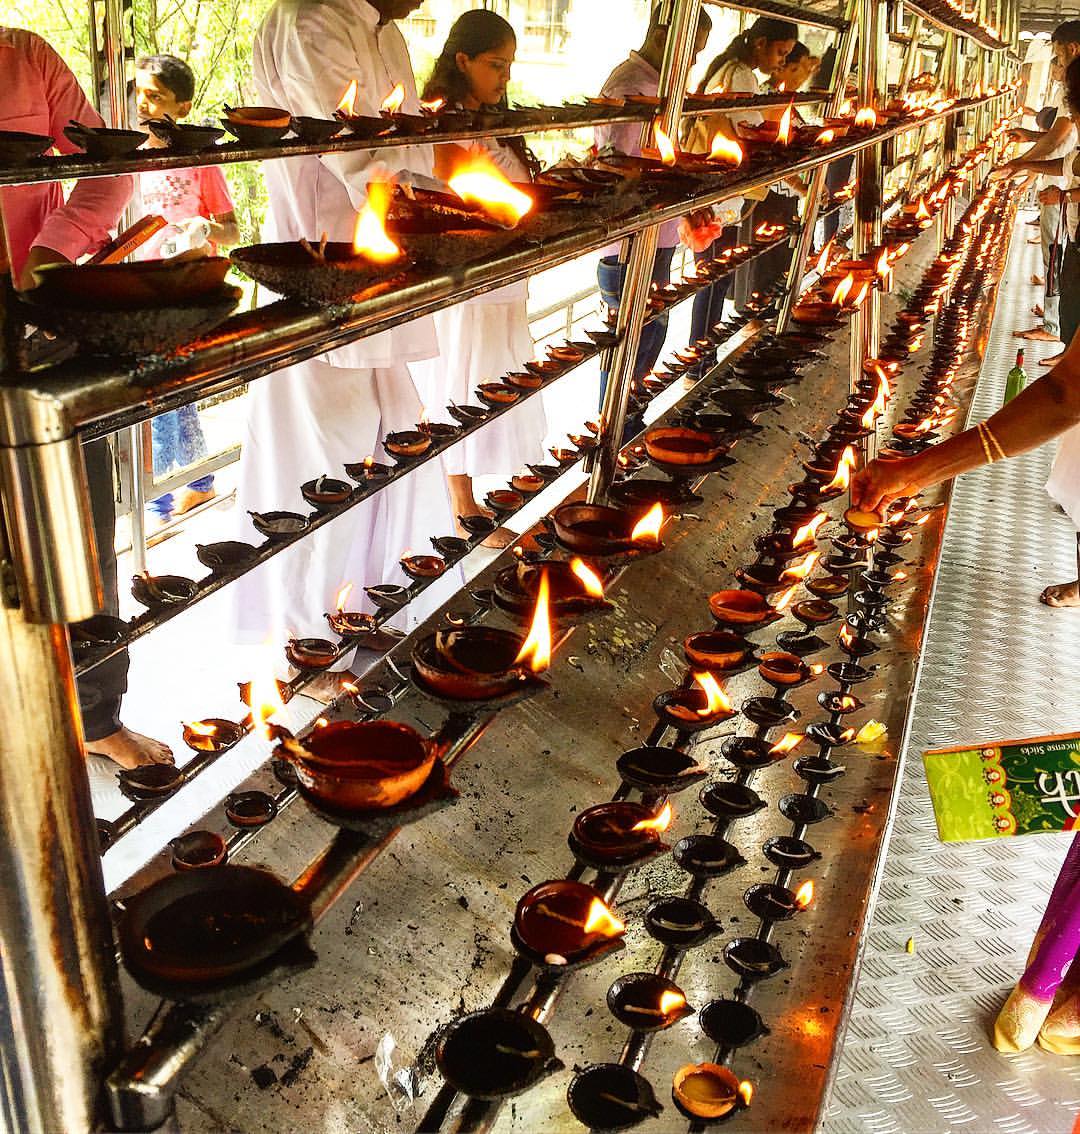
<point>875,487</point>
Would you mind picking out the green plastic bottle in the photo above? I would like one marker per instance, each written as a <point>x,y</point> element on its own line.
<point>1016,379</point>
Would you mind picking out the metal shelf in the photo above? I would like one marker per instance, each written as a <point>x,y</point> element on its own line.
<point>95,399</point>
<point>969,29</point>
<point>805,16</point>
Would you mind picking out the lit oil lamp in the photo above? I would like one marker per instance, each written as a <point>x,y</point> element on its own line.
<point>368,471</point>
<point>777,903</point>
<point>576,590</point>
<point>853,643</point>
<point>708,1091</point>
<point>691,709</point>
<point>616,836</point>
<point>602,531</point>
<point>647,1002</point>
<point>748,753</point>
<point>212,734</point>
<point>478,181</point>
<point>564,924</point>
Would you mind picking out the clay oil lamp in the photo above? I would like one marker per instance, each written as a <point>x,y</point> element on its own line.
<point>497,394</point>
<point>656,770</point>
<point>694,708</point>
<point>724,799</point>
<point>753,959</point>
<point>200,931</point>
<point>527,483</point>
<point>567,354</point>
<point>708,1092</point>
<point>96,632</point>
<point>771,578</point>
<point>149,781</point>
<point>852,642</point>
<point>250,808</point>
<point>685,450</point>
<point>717,650</point>
<point>503,501</point>
<point>387,596</point>
<point>611,1096</point>
<point>601,531</point>
<point>212,734</point>
<point>564,924</point>
<point>818,769</point>
<point>576,590</point>
<point>325,493</point>
<point>279,525</point>
<point>351,767</point>
<point>706,856</point>
<point>523,380</point>
<point>311,654</point>
<point>750,752</point>
<point>369,472</point>
<point>828,586</point>
<point>774,903</point>
<point>184,137</point>
<point>647,1002</point>
<point>546,473</point>
<point>815,612</point>
<point>768,712</point>
<point>817,312</point>
<point>786,852</point>
<point>803,810</point>
<point>495,1053</point>
<point>157,591</point>
<point>468,415</point>
<point>226,555</point>
<point>348,623</point>
<point>731,1023</point>
<point>485,665</point>
<point>198,850</point>
<point>407,444</point>
<point>679,922</point>
<point>614,837</point>
<point>478,525</point>
<point>742,608</point>
<point>423,567</point>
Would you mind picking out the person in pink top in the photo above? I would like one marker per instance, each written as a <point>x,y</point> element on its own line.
<point>41,96</point>
<point>201,217</point>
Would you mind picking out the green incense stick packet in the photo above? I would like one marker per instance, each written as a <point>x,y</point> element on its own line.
<point>1010,787</point>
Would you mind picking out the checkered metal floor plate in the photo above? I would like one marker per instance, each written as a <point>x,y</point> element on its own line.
<point>996,665</point>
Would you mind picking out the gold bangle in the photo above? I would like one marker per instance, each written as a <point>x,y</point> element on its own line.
<point>995,444</point>
<point>985,445</point>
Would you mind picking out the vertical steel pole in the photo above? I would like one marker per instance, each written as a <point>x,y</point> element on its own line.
<point>678,57</point>
<point>845,54</point>
<point>911,56</point>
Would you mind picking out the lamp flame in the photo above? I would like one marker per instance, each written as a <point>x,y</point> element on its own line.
<point>370,238</point>
<point>883,268</point>
<point>200,728</point>
<point>601,920</point>
<point>536,650</point>
<point>265,700</point>
<point>716,700</point>
<point>804,895</point>
<point>847,635</point>
<point>823,260</point>
<point>785,599</point>
<point>392,103</point>
<point>343,596</point>
<point>803,568</point>
<point>825,137</point>
<point>843,289</point>
<point>590,580</point>
<point>433,106</point>
<point>659,822</point>
<point>860,295</point>
<point>746,1092</point>
<point>480,182</point>
<point>671,1002</point>
<point>921,211</point>
<point>789,742</point>
<point>664,145</point>
<point>647,529</point>
<point>783,131</point>
<point>808,531</point>
<point>726,149</point>
<point>348,99</point>
<point>866,117</point>
<point>843,470</point>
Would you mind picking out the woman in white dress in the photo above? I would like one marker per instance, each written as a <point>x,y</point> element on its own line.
<point>486,337</point>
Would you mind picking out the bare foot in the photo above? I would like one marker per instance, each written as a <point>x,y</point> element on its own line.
<point>130,749</point>
<point>1038,334</point>
<point>1053,360</point>
<point>1062,594</point>
<point>189,498</point>
<point>500,538</point>
<point>1038,281</point>
<point>327,687</point>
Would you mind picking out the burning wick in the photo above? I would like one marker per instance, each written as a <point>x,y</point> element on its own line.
<point>746,1092</point>
<point>598,920</point>
<point>434,106</point>
<point>786,598</point>
<point>647,529</point>
<point>803,568</point>
<point>823,259</point>
<point>847,636</point>
<point>590,580</point>
<point>660,822</point>
<point>536,651</point>
<point>348,99</point>
<point>664,145</point>
<point>479,182</point>
<point>790,741</point>
<point>805,894</point>
<point>726,149</point>
<point>393,101</point>
<point>866,118</point>
<point>844,466</point>
<point>370,239</point>
<point>716,700</point>
<point>265,700</point>
<point>825,137</point>
<point>783,132</point>
<point>669,1002</point>
<point>808,532</point>
<point>343,596</point>
<point>843,290</point>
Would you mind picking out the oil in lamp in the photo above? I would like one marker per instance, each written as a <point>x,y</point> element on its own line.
<point>325,493</point>
<point>616,836</point>
<point>717,650</point>
<point>753,959</point>
<point>565,924</point>
<point>495,1053</point>
<point>602,531</point>
<point>149,781</point>
<point>706,856</point>
<point>504,500</point>
<point>727,799</point>
<point>691,709</point>
<point>226,555</point>
<point>423,566</point>
<point>156,591</point>
<point>250,808</point>
<point>311,654</point>
<point>819,769</point>
<point>679,922</point>
<point>647,1002</point>
<point>279,525</point>
<point>684,449</point>
<point>741,608</point>
<point>198,850</point>
<point>368,471</point>
<point>407,443</point>
<point>611,1096</point>
<point>731,1023</point>
<point>212,734</point>
<point>786,852</point>
<point>709,1091</point>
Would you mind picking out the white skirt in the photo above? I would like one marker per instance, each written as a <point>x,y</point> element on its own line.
<point>480,342</point>
<point>1064,483</point>
<point>305,421</point>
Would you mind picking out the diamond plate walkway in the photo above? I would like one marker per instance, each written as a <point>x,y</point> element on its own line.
<point>996,665</point>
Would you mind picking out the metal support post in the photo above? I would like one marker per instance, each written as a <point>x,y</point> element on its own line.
<point>845,55</point>
<point>678,56</point>
<point>911,56</point>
